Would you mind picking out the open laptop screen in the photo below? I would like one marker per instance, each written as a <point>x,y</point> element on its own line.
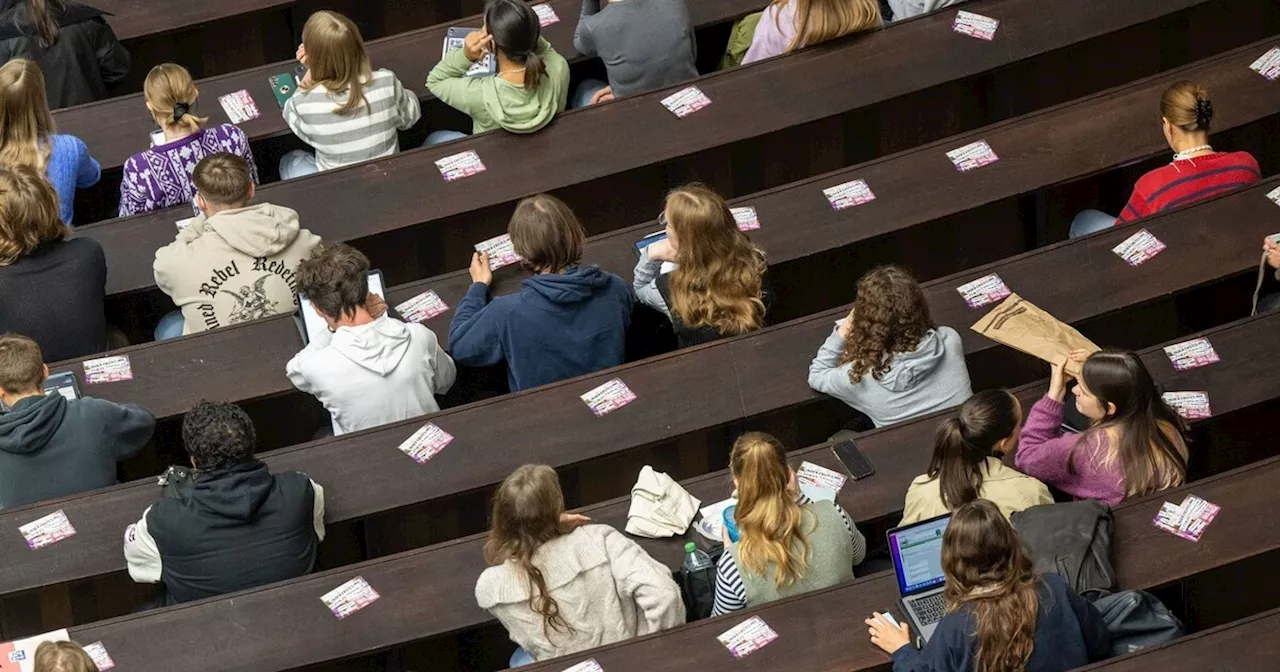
<point>917,554</point>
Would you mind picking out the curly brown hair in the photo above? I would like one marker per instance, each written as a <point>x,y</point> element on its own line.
<point>889,316</point>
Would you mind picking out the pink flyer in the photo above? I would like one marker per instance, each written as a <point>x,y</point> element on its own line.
<point>973,155</point>
<point>107,370</point>
<point>849,194</point>
<point>609,397</point>
<point>422,307</point>
<point>1139,248</point>
<point>350,597</point>
<point>1189,405</point>
<point>745,218</point>
<point>239,106</point>
<point>1268,65</point>
<point>1191,354</point>
<point>546,14</point>
<point>975,25</point>
<point>47,530</point>
<point>748,636</point>
<point>458,166</point>
<point>984,291</point>
<point>500,250</point>
<point>686,101</point>
<point>426,443</point>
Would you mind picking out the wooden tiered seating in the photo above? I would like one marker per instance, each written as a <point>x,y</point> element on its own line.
<point>417,601</point>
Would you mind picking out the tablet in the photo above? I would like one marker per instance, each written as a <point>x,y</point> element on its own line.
<point>651,239</point>
<point>63,383</point>
<point>454,40</point>
<point>311,326</point>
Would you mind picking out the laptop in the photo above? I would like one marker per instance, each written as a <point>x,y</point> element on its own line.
<point>310,324</point>
<point>917,560</point>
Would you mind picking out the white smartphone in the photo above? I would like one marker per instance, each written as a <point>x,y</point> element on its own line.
<point>157,138</point>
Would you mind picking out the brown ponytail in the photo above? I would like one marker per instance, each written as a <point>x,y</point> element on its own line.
<point>517,33</point>
<point>963,443</point>
<point>526,515</point>
<point>534,71</point>
<point>44,19</point>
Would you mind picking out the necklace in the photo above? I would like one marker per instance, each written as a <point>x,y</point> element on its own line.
<point>1186,153</point>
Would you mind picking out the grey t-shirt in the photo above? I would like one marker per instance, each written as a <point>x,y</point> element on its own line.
<point>645,44</point>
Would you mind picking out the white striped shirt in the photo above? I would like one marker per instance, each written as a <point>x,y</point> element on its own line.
<point>368,132</point>
<point>731,592</point>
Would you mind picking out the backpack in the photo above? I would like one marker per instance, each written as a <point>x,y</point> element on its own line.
<point>1136,620</point>
<point>1073,540</point>
<point>744,31</point>
<point>699,588</point>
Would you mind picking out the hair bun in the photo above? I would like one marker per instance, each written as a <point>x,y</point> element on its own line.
<point>1204,113</point>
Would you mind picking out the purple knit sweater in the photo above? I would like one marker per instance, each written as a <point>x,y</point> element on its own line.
<point>160,177</point>
<point>1043,453</point>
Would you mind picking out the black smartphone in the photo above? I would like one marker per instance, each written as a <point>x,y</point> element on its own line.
<point>853,460</point>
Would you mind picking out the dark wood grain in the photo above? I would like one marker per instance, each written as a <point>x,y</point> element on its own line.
<point>141,18</point>
<point>404,190</point>
<point>732,380</point>
<point>914,187</point>
<point>824,631</point>
<point>419,602</point>
<point>116,129</point>
<point>1246,645</point>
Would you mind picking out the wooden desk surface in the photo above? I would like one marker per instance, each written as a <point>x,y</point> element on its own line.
<point>402,191</point>
<point>1246,645</point>
<point>737,378</point>
<point>418,601</point>
<point>140,18</point>
<point>912,188</point>
<point>117,128</point>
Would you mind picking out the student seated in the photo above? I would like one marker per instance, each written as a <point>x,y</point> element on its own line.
<point>1136,445</point>
<point>51,447</point>
<point>905,9</point>
<point>235,262</point>
<point>62,657</point>
<point>788,25</point>
<point>567,320</point>
<point>787,543</point>
<point>1000,614</point>
<point>73,44</point>
<point>51,289</point>
<point>717,287</point>
<point>347,111</point>
<point>888,359</point>
<point>559,584</point>
<point>29,138</point>
<point>370,368</point>
<point>966,462</point>
<point>160,177</point>
<point>532,83</point>
<point>1196,172</point>
<point>228,524</point>
<point>645,46</point>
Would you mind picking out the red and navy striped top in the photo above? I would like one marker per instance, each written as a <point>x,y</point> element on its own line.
<point>1188,181</point>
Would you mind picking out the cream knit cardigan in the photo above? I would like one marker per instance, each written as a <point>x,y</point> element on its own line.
<point>607,587</point>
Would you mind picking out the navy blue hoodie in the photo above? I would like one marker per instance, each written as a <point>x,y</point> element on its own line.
<point>558,326</point>
<point>51,447</point>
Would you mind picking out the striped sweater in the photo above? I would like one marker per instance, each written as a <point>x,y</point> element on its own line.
<point>369,132</point>
<point>1188,181</point>
<point>731,592</point>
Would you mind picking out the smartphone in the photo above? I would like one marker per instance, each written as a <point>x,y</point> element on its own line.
<point>854,461</point>
<point>283,87</point>
<point>63,383</point>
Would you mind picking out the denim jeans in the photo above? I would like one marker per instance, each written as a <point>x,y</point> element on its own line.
<point>582,95</point>
<point>437,137</point>
<point>298,163</point>
<point>170,326</point>
<point>520,658</point>
<point>1090,221</point>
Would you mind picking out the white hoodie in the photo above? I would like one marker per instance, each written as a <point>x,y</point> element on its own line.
<point>381,372</point>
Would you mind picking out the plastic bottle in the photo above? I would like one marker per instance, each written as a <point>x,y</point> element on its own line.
<point>695,559</point>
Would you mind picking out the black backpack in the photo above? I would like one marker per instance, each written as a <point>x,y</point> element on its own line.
<point>1137,620</point>
<point>699,587</point>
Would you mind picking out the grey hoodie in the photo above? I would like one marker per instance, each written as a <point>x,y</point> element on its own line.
<point>51,447</point>
<point>930,378</point>
<point>235,266</point>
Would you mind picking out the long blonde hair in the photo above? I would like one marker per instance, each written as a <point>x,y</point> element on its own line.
<point>171,94</point>
<point>337,58</point>
<point>25,120</point>
<point>718,281</point>
<point>819,21</point>
<point>526,515</point>
<point>62,657</point>
<point>988,571</point>
<point>770,521</point>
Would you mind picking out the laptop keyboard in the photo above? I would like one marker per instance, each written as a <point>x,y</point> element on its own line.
<point>931,608</point>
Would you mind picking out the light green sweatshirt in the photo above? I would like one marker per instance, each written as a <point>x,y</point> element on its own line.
<point>493,102</point>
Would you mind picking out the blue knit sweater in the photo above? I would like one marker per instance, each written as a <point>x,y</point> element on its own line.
<point>71,168</point>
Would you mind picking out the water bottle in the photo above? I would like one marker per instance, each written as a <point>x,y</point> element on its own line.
<point>694,559</point>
